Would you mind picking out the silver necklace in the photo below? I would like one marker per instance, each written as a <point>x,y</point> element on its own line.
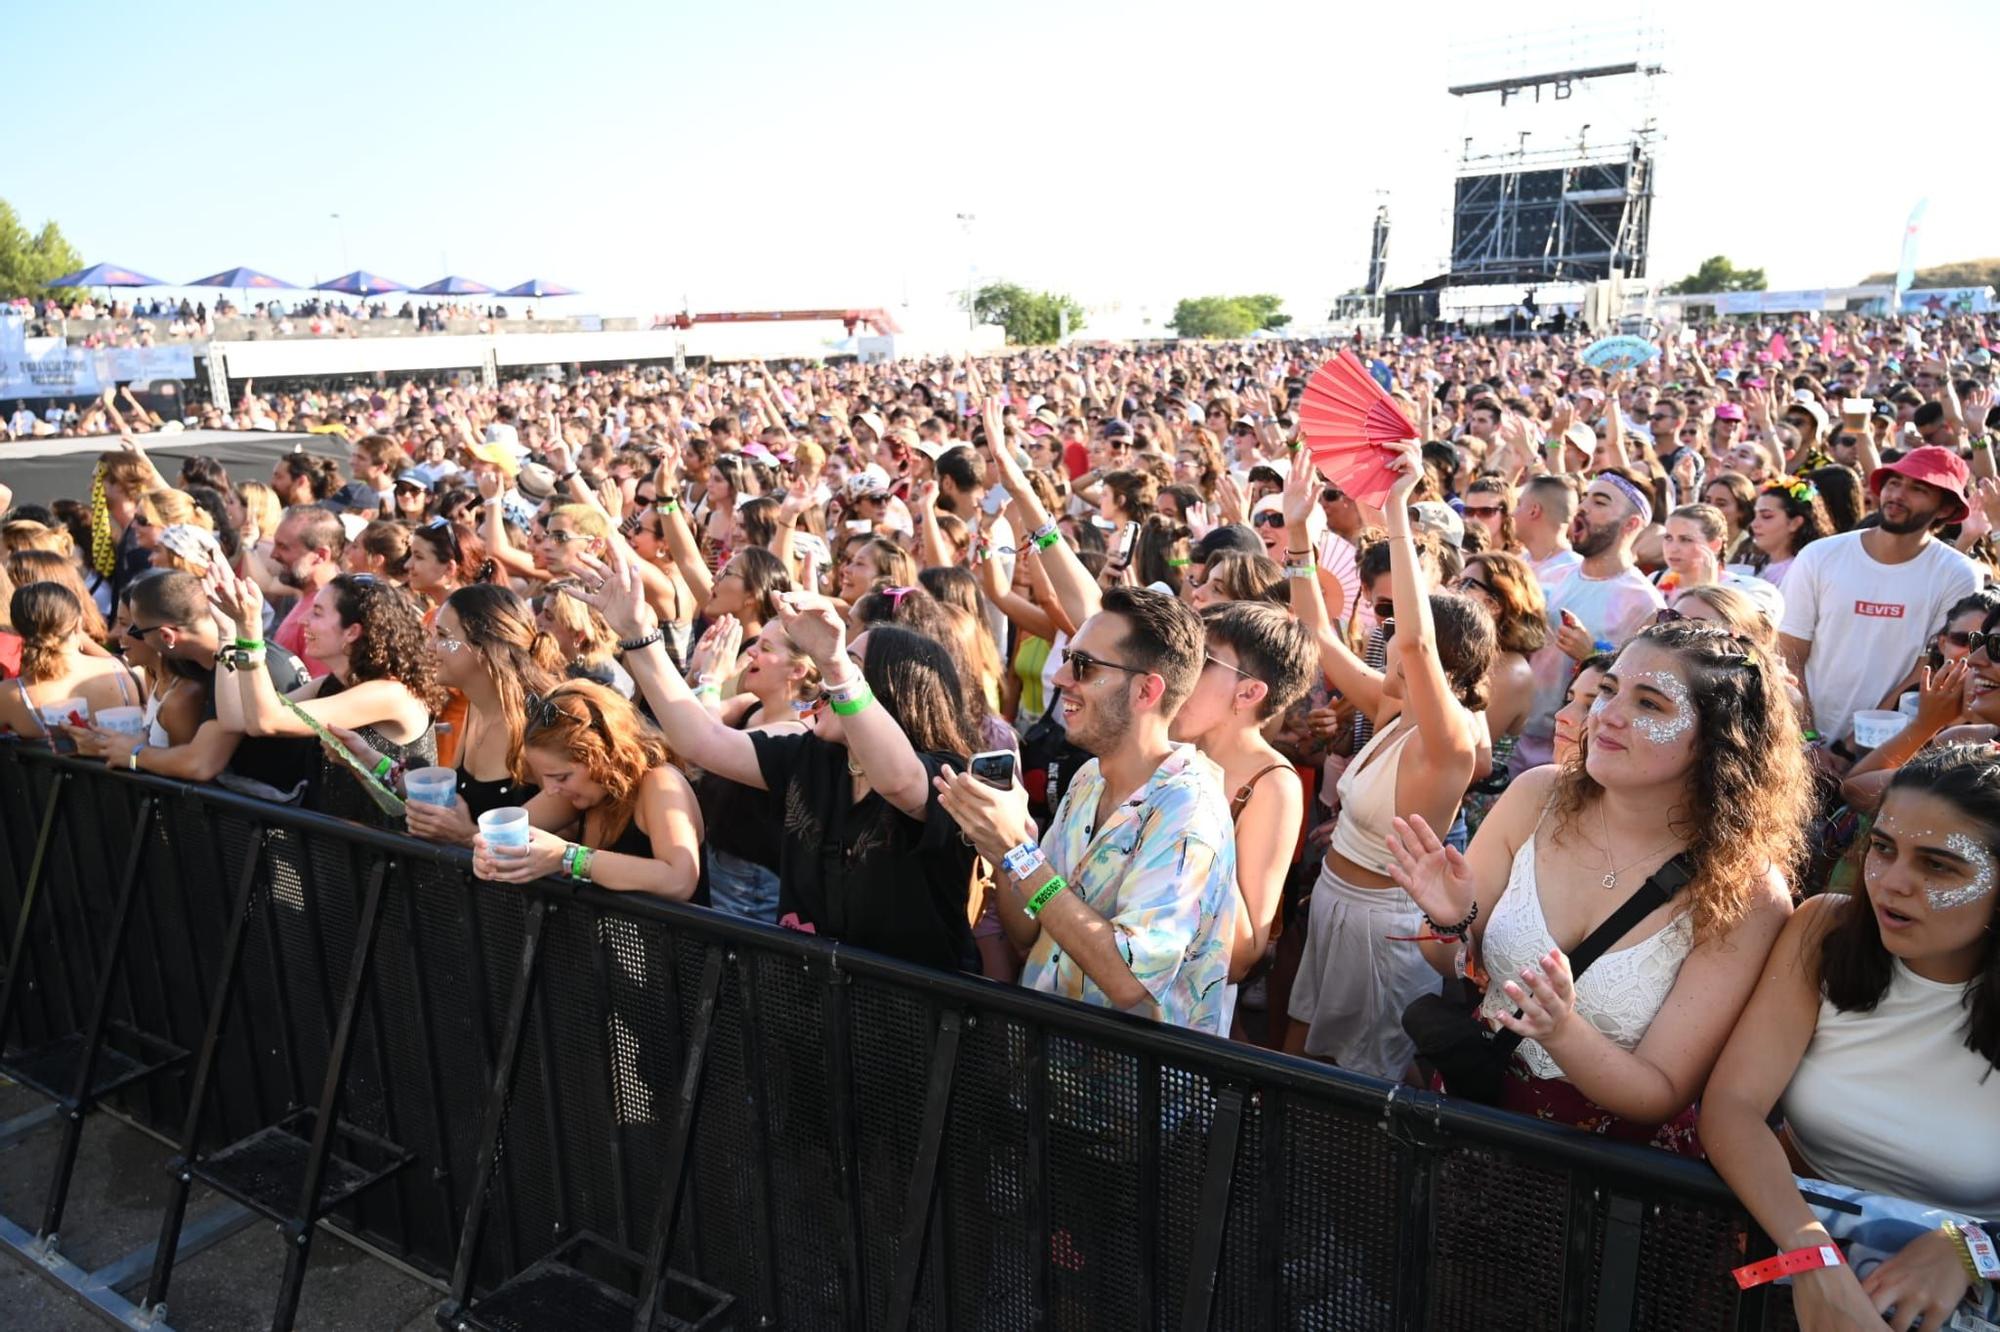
<point>1610,879</point>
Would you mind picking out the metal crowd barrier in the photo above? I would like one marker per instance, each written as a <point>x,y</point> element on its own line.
<point>579,1109</point>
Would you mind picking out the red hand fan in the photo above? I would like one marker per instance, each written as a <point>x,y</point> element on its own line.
<point>1350,425</point>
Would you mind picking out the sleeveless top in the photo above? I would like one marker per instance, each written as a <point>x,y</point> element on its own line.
<point>1891,1101</point>
<point>500,793</point>
<point>156,734</point>
<point>1368,799</point>
<point>339,792</point>
<point>59,740</point>
<point>1619,995</point>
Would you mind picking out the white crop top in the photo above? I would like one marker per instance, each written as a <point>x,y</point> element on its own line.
<point>1891,1101</point>
<point>1619,995</point>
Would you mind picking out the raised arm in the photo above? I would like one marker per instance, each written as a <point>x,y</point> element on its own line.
<point>1445,728</point>
<point>1357,681</point>
<point>1076,591</point>
<point>874,740</point>
<point>696,736</point>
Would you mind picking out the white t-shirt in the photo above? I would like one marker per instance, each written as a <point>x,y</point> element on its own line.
<point>1611,610</point>
<point>1866,620</point>
<point>1559,562</point>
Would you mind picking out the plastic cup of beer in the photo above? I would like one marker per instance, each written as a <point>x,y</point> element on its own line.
<point>505,827</point>
<point>122,721</point>
<point>432,786</point>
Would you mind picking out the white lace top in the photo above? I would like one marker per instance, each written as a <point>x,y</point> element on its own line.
<point>1621,992</point>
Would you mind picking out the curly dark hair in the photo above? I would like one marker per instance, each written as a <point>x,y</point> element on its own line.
<point>1799,499</point>
<point>393,644</point>
<point>1465,644</point>
<point>1749,791</point>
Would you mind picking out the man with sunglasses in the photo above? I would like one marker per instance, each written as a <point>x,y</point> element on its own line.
<point>1127,900</point>
<point>170,610</point>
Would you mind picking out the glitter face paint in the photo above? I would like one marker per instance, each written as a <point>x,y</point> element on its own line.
<point>1974,853</point>
<point>1666,730</point>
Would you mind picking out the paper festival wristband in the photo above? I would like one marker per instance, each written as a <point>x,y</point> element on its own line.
<point>1787,1264</point>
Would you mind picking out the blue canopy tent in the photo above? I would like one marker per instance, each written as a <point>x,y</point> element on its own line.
<point>359,283</point>
<point>107,275</point>
<point>536,289</point>
<point>244,279</point>
<point>454,286</point>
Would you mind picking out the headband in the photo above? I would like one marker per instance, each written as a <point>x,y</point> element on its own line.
<point>1631,492</point>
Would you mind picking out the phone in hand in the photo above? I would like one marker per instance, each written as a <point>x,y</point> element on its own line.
<point>995,767</point>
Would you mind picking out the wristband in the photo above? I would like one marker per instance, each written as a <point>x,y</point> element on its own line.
<point>1787,1264</point>
<point>1022,861</point>
<point>640,643</point>
<point>1045,536</point>
<point>1458,931</point>
<point>1180,562</point>
<point>1033,906</point>
<point>667,506</point>
<point>1975,1250</point>
<point>847,707</point>
<point>132,759</point>
<point>249,644</point>
<point>1305,570</point>
<point>845,690</point>
<point>382,770</point>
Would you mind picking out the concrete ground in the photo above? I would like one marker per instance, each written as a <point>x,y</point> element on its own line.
<point>115,1202</point>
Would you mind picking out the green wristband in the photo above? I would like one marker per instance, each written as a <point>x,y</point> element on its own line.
<point>249,644</point>
<point>1043,895</point>
<point>847,707</point>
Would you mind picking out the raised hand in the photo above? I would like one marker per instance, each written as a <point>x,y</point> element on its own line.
<point>1545,992</point>
<point>615,588</point>
<point>1302,486</point>
<point>717,652</point>
<point>1436,876</point>
<point>1409,471</point>
<point>814,626</point>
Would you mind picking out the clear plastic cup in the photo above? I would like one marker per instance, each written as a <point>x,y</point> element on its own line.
<point>63,712</point>
<point>505,827</point>
<point>431,786</point>
<point>1907,704</point>
<point>122,721</point>
<point>1877,726</point>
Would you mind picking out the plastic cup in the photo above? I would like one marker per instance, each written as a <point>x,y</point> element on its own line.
<point>505,827</point>
<point>63,713</point>
<point>122,721</point>
<point>1907,704</point>
<point>431,786</point>
<point>1877,726</point>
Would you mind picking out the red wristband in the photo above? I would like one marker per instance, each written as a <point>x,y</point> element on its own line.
<point>1787,1264</point>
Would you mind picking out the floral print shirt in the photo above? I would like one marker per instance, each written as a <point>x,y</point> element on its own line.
<point>1162,871</point>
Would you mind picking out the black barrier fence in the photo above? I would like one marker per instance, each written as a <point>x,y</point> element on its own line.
<point>578,1109</point>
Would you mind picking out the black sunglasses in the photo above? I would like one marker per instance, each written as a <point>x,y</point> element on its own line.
<point>1385,610</point>
<point>1331,495</point>
<point>1667,615</point>
<point>1082,665</point>
<point>1268,518</point>
<point>1467,583</point>
<point>1969,639</point>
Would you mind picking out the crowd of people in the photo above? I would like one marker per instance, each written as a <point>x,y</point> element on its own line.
<point>150,321</point>
<point>1632,766</point>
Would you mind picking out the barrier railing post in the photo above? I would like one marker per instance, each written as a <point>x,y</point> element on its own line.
<point>760,1136</point>
<point>1212,1213</point>
<point>846,1163</point>
<point>920,1201</point>
<point>309,1208</point>
<point>181,1165</point>
<point>77,1103</point>
<point>30,893</point>
<point>487,1157</point>
<point>687,1103</point>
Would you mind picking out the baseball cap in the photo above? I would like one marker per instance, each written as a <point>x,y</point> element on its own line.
<point>1811,408</point>
<point>410,476</point>
<point>353,495</point>
<point>1728,411</point>
<point>1441,518</point>
<point>873,421</point>
<point>496,454</point>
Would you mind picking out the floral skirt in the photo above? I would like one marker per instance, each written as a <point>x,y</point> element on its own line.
<point>1558,1100</point>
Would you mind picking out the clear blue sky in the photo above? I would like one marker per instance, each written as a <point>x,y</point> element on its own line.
<point>765,154</point>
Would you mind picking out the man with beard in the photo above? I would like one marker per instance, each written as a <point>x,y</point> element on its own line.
<point>1604,599</point>
<point>1865,603</point>
<point>1128,900</point>
<point>305,555</point>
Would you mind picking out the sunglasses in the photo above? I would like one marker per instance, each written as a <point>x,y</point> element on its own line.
<point>1483,511</point>
<point>1332,495</point>
<point>562,536</point>
<point>1268,518</point>
<point>1467,583</point>
<point>1385,610</point>
<point>1969,639</point>
<point>1082,665</point>
<point>138,632</point>
<point>1667,615</point>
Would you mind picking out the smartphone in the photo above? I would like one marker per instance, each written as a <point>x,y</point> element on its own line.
<point>1126,540</point>
<point>859,525</point>
<point>995,767</point>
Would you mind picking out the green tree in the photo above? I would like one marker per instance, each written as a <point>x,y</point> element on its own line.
<point>1227,316</point>
<point>1031,318</point>
<point>28,261</point>
<point>1718,274</point>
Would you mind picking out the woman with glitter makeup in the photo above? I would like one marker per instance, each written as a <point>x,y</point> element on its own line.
<point>1689,750</point>
<point>1876,1033</point>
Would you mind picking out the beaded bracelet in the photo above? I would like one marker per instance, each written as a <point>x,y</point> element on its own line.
<point>641,643</point>
<point>1458,931</point>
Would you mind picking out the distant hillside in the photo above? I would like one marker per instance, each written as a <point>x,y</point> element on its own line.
<point>1965,273</point>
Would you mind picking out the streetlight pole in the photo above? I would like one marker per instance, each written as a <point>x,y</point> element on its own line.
<point>965,221</point>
